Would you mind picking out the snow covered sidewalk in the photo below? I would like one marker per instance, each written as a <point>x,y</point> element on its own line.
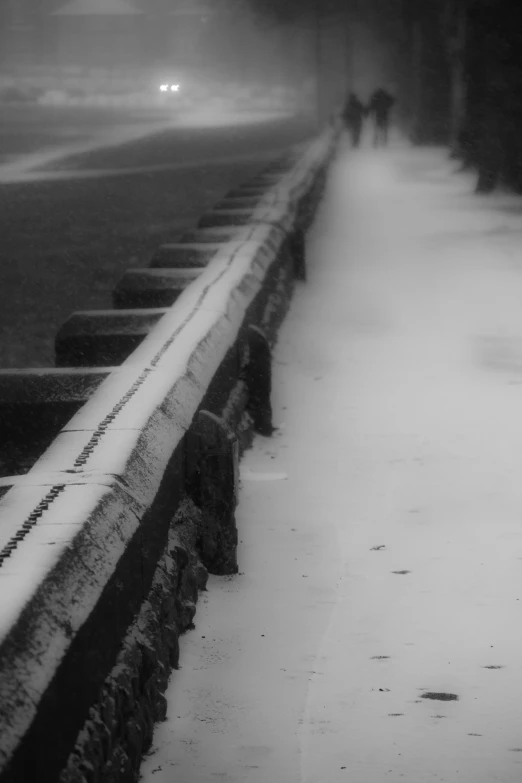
<point>381,528</point>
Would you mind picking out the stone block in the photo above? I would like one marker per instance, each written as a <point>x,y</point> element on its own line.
<point>226,217</point>
<point>151,288</point>
<point>212,465</point>
<point>267,179</point>
<point>248,190</point>
<point>131,698</point>
<point>213,235</point>
<point>34,406</point>
<point>258,376</point>
<point>297,248</point>
<point>238,202</point>
<point>103,338</point>
<point>185,255</point>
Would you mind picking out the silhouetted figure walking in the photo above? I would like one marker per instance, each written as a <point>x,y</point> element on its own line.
<point>379,107</point>
<point>353,114</point>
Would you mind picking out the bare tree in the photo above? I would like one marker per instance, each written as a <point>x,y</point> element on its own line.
<point>323,24</point>
<point>453,17</point>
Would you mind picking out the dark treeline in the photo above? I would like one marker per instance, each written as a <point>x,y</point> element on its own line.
<point>465,83</point>
<point>491,133</point>
<point>456,65</point>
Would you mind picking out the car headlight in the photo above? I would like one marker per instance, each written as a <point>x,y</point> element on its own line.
<point>170,87</point>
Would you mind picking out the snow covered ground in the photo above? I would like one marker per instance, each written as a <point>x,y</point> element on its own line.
<point>381,527</point>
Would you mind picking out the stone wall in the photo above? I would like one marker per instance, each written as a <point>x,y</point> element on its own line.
<point>107,538</point>
<point>120,726</point>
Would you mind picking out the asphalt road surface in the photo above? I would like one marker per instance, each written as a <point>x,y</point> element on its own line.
<point>39,139</point>
<point>67,238</point>
<point>30,129</point>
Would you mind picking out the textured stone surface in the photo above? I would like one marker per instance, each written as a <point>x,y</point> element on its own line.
<point>212,476</point>
<point>226,217</point>
<point>258,377</point>
<point>151,288</point>
<point>120,726</point>
<point>103,337</point>
<point>121,723</point>
<point>185,255</point>
<point>247,191</point>
<point>34,406</point>
<point>195,355</point>
<point>213,235</point>
<point>238,202</point>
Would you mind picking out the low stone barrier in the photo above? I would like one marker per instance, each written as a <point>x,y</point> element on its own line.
<point>126,502</point>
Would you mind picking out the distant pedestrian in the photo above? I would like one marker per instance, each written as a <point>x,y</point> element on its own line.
<point>379,108</point>
<point>353,114</point>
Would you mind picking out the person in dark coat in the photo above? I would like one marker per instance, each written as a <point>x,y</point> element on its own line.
<point>379,108</point>
<point>353,114</point>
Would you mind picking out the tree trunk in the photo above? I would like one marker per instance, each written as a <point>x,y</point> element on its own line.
<point>417,81</point>
<point>318,45</point>
<point>458,84</point>
<point>494,68</point>
<point>490,150</point>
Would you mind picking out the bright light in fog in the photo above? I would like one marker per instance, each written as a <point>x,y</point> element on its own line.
<point>171,87</point>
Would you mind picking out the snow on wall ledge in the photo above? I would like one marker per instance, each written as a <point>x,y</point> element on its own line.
<point>96,562</point>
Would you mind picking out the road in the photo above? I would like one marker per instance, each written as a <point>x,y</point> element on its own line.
<point>38,142</point>
<point>32,129</point>
<point>70,229</point>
